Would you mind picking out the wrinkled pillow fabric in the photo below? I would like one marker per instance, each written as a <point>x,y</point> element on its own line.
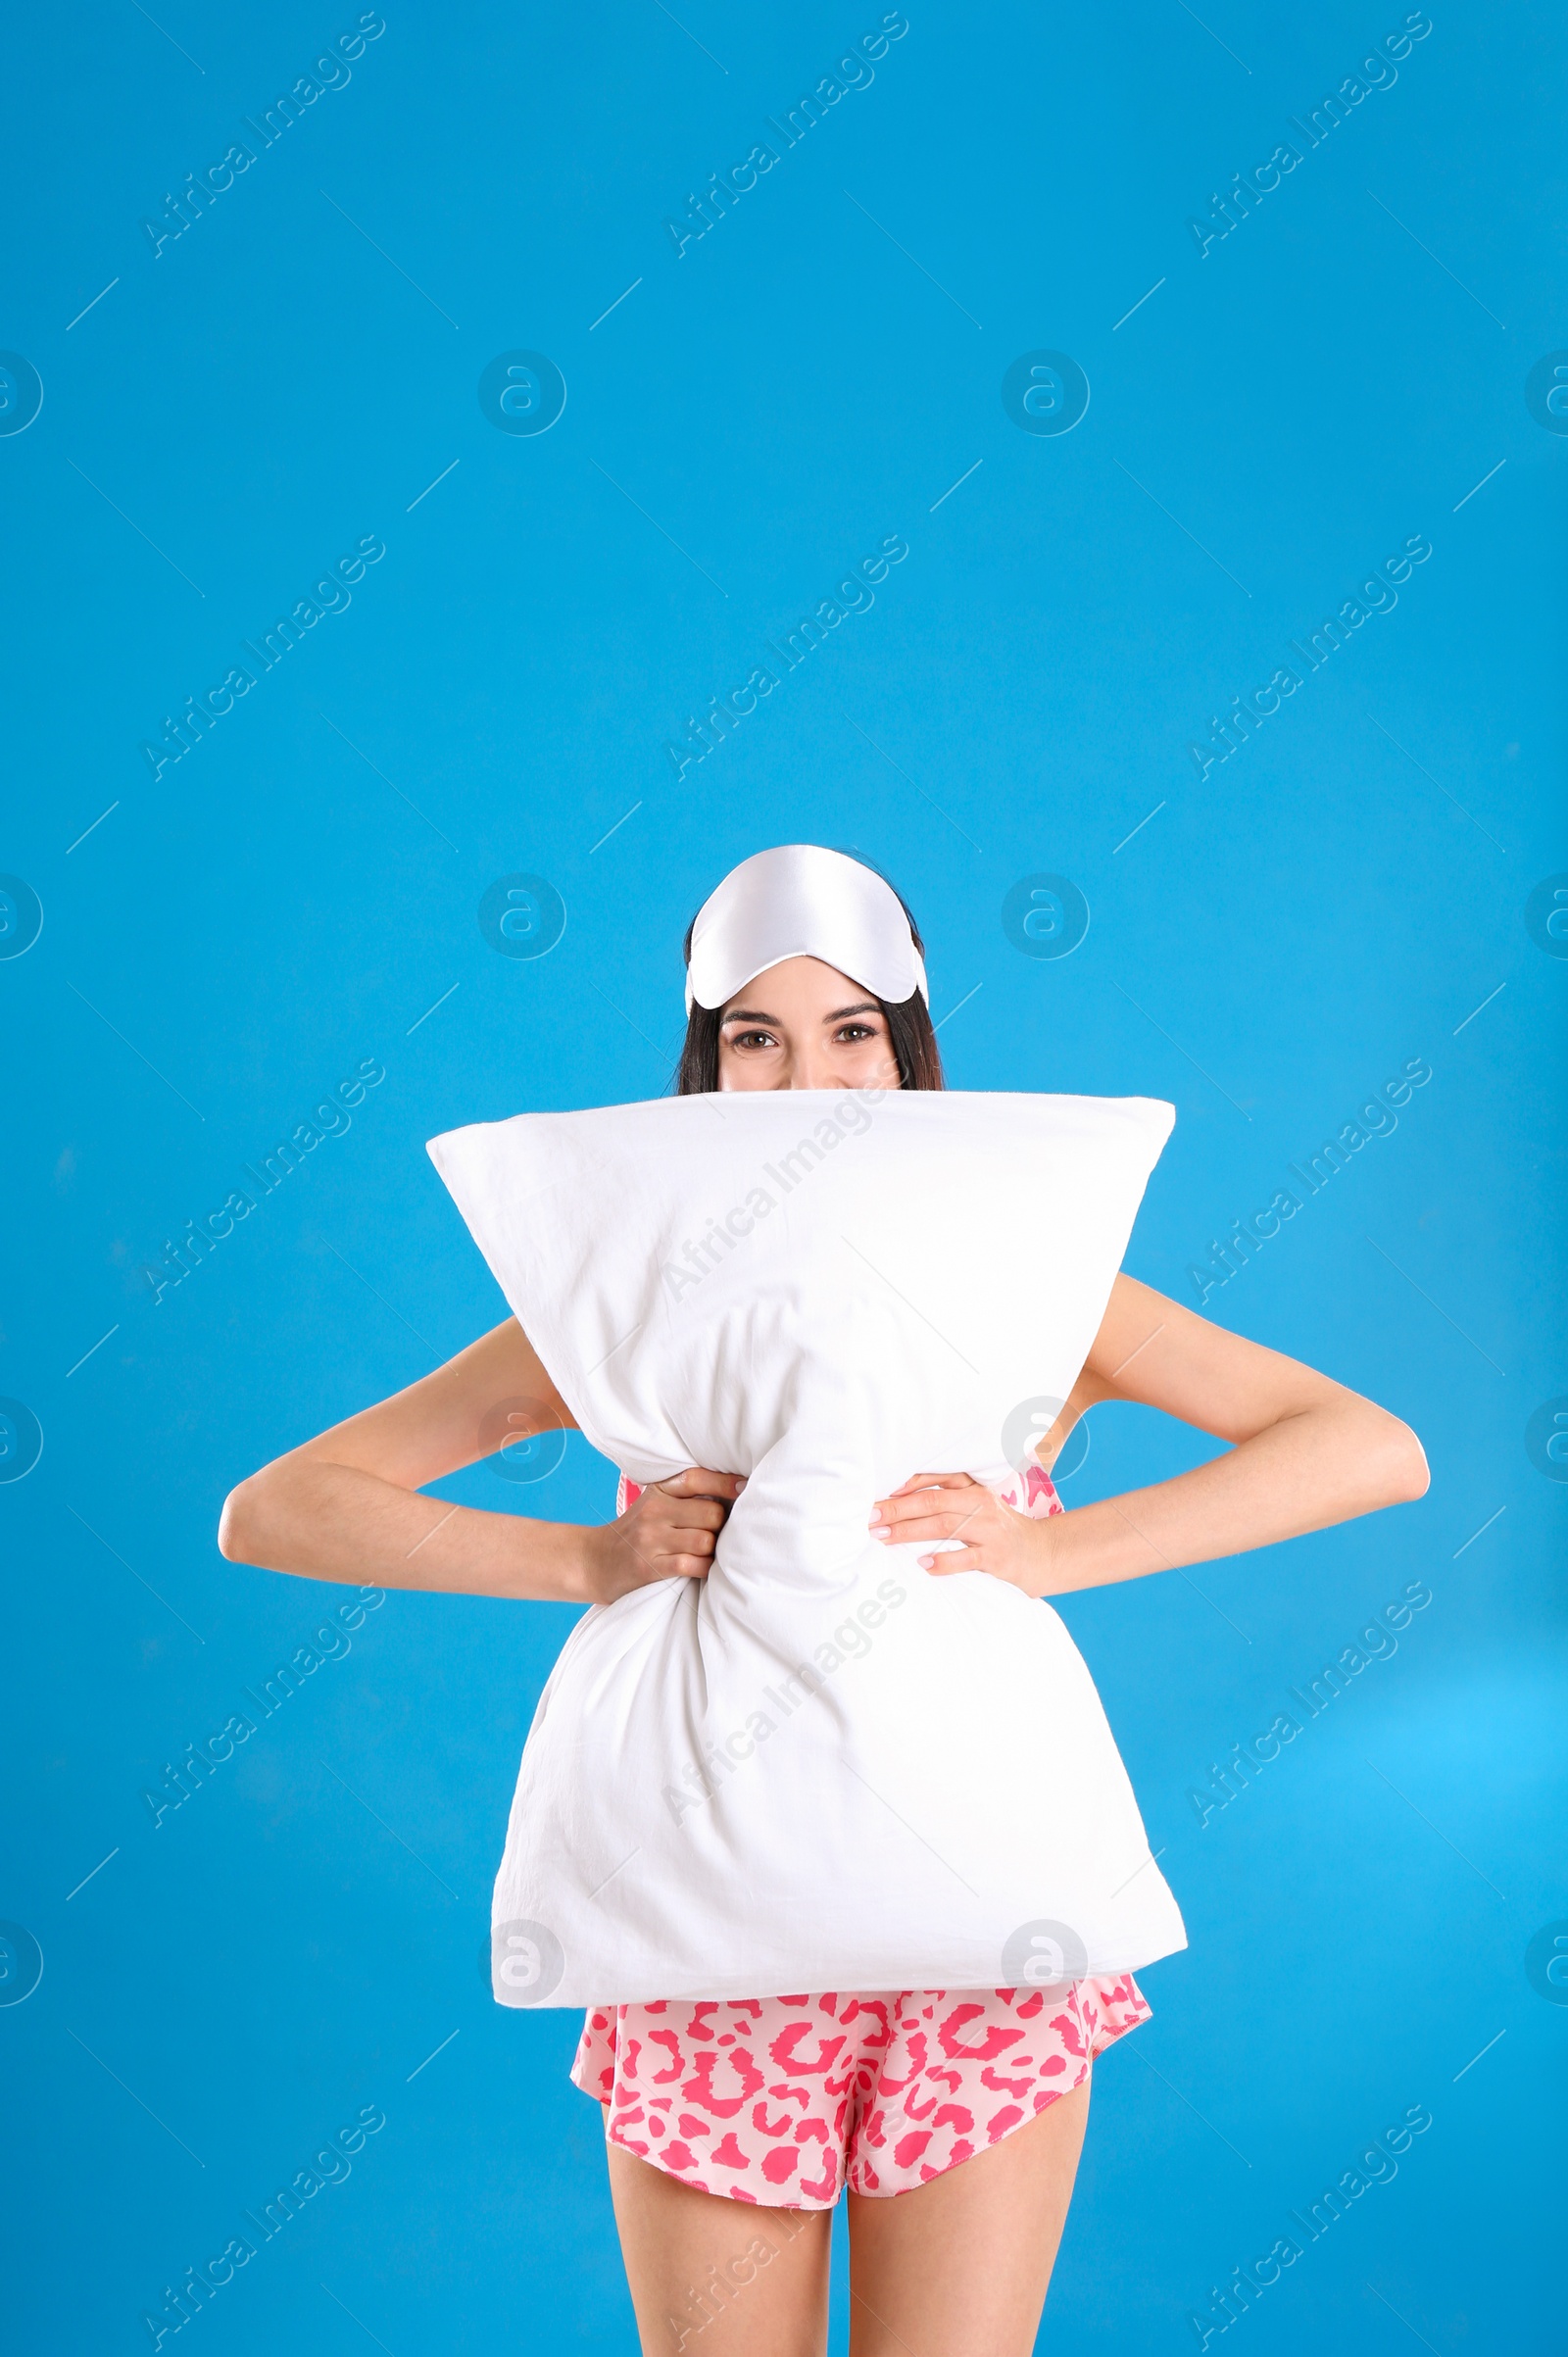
<point>820,1767</point>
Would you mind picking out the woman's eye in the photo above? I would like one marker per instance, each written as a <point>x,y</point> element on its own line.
<point>855,1032</point>
<point>753,1039</point>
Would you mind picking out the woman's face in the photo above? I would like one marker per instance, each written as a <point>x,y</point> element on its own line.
<point>804,1025</point>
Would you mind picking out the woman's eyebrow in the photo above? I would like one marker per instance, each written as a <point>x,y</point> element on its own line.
<point>750,1014</point>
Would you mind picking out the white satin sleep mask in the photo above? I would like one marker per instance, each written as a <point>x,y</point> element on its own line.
<point>802,900</point>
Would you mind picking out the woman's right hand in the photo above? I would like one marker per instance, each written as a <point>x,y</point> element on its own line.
<point>667,1533</point>
<point>350,1504</point>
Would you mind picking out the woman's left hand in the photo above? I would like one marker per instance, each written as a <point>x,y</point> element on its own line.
<point>994,1538</point>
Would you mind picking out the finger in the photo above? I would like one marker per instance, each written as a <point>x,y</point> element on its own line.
<point>650,1570</point>
<point>698,1482</point>
<point>902,1528</point>
<point>936,1480</point>
<point>904,1502</point>
<point>922,1534</point>
<point>690,1514</point>
<point>686,1568</point>
<point>686,1534</point>
<point>661,1514</point>
<point>690,1543</point>
<point>930,1500</point>
<point>964,1558</point>
<point>707,1484</point>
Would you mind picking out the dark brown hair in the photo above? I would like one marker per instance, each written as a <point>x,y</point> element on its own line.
<point>908,1022</point>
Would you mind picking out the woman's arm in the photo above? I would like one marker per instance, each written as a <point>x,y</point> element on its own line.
<point>1306,1454</point>
<point>347,1504</point>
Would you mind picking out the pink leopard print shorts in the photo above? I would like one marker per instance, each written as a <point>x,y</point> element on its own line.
<point>783,2100</point>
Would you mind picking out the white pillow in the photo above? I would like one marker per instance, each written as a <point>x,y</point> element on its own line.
<point>821,1768</point>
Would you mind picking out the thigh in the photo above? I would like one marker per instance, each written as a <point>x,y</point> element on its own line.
<point>963,2264</point>
<point>717,2278</point>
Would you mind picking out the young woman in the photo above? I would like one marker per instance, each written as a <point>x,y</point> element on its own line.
<point>955,2118</point>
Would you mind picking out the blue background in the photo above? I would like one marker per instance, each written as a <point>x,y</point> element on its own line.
<point>301,889</point>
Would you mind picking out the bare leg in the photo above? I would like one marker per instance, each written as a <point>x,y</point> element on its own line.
<point>958,2268</point>
<point>715,2278</point>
